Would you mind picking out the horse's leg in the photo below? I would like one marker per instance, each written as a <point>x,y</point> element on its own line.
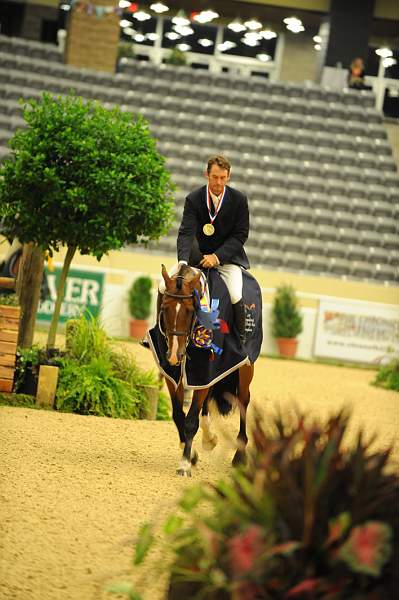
<point>177,398</point>
<point>191,425</point>
<point>209,438</point>
<point>246,374</point>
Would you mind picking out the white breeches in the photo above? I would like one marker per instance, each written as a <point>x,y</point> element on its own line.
<point>231,275</point>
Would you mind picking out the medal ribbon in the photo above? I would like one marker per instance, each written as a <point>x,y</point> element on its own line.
<point>209,200</point>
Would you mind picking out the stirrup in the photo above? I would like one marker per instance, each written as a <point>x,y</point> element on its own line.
<point>143,342</point>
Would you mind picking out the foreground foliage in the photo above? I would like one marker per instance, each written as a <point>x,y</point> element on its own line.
<point>307,518</point>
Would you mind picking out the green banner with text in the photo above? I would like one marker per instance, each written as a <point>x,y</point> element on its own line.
<point>83,293</point>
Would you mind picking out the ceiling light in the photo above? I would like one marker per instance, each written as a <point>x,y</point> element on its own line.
<point>388,62</point>
<point>205,42</point>
<point>317,47</point>
<point>67,6</point>
<point>253,24</point>
<point>159,7</point>
<point>139,37</point>
<point>250,41</point>
<point>152,36</point>
<point>125,23</point>
<point>124,3</point>
<point>295,28</point>
<point>226,46</point>
<point>180,19</point>
<point>237,26</point>
<point>129,31</point>
<point>317,39</point>
<point>184,30</point>
<point>263,57</point>
<point>268,34</point>
<point>172,35</point>
<point>141,15</point>
<point>384,52</point>
<point>205,16</point>
<point>183,47</point>
<point>252,35</point>
<point>292,21</point>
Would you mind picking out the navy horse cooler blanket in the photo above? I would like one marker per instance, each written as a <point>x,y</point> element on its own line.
<point>203,367</point>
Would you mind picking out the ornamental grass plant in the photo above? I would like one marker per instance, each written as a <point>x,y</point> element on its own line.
<point>97,379</point>
<point>307,518</point>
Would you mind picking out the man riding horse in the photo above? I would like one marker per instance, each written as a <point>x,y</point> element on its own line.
<point>216,221</point>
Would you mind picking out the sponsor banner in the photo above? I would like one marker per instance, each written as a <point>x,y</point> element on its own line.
<point>356,332</point>
<point>83,292</point>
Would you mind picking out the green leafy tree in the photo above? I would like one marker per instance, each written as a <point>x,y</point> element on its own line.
<point>286,318</point>
<point>83,177</point>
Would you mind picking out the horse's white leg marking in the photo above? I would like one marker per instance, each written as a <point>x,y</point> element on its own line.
<point>184,468</point>
<point>209,439</point>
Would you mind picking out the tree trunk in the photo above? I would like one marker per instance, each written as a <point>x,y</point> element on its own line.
<point>29,279</point>
<point>60,296</point>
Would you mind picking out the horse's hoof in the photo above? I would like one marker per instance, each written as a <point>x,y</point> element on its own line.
<point>194,458</point>
<point>184,472</point>
<point>239,458</point>
<point>210,443</point>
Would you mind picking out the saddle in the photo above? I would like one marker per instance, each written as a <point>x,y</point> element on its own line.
<point>214,352</point>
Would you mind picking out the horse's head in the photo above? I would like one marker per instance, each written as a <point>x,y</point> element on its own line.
<point>178,311</point>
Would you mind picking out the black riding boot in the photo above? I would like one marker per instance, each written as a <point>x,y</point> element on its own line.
<point>239,319</point>
<point>144,342</point>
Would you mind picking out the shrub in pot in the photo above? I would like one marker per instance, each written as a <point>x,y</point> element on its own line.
<point>308,517</point>
<point>286,320</point>
<point>140,306</point>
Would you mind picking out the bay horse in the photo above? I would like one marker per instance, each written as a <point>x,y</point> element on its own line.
<point>177,317</point>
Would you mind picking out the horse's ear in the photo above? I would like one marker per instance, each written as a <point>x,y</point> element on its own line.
<point>165,275</point>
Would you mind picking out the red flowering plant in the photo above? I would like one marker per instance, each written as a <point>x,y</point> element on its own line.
<point>307,518</point>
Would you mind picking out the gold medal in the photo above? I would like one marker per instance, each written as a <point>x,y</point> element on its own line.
<point>208,229</point>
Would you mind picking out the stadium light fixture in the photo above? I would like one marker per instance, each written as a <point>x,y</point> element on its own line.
<point>124,3</point>
<point>268,34</point>
<point>141,15</point>
<point>139,37</point>
<point>205,16</point>
<point>172,35</point>
<point>183,47</point>
<point>253,24</point>
<point>205,43</point>
<point>125,23</point>
<point>181,19</point>
<point>183,31</point>
<point>384,52</point>
<point>263,57</point>
<point>388,62</point>
<point>294,24</point>
<point>159,7</point>
<point>152,36</point>
<point>67,6</point>
<point>317,47</point>
<point>237,26</point>
<point>317,39</point>
<point>225,46</point>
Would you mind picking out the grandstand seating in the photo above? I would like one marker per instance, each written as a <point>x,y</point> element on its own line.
<point>316,163</point>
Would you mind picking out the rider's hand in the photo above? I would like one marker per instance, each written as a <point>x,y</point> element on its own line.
<point>209,261</point>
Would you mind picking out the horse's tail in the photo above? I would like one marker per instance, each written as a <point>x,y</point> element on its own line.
<point>223,393</point>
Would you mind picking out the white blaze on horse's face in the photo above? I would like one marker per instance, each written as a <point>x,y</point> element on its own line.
<point>178,314</point>
<point>173,360</point>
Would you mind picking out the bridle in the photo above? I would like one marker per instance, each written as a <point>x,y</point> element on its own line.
<point>179,297</point>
